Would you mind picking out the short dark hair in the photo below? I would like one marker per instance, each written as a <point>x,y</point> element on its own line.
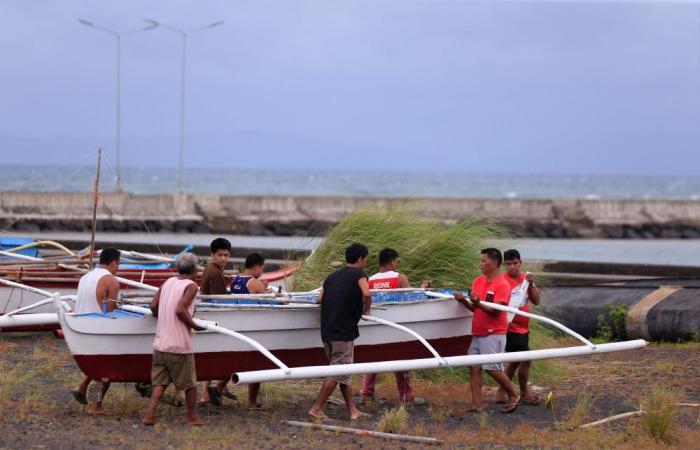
<point>494,255</point>
<point>355,252</point>
<point>254,260</point>
<point>220,244</point>
<point>109,255</point>
<point>387,255</point>
<point>511,254</point>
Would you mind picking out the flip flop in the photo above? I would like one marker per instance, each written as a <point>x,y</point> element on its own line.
<point>258,407</point>
<point>228,394</point>
<point>510,407</point>
<point>475,410</point>
<point>79,397</point>
<point>533,402</point>
<point>214,396</point>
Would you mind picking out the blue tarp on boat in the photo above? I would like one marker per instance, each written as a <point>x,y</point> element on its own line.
<point>7,243</point>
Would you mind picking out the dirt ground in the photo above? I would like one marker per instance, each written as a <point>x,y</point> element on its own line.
<point>37,373</point>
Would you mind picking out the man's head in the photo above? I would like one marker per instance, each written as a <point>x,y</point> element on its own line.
<point>186,265</point>
<point>356,255</point>
<point>491,260</point>
<point>388,258</point>
<point>513,262</point>
<point>109,258</point>
<point>220,251</point>
<point>254,264</point>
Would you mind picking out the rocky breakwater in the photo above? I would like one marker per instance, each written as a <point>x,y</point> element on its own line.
<point>289,215</point>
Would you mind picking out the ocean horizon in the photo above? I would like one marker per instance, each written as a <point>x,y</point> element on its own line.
<point>430,184</point>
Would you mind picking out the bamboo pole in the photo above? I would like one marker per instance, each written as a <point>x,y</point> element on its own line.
<point>96,191</point>
<point>357,431</point>
<point>626,415</point>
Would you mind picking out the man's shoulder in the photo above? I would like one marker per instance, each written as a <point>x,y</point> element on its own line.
<point>212,269</point>
<point>501,281</point>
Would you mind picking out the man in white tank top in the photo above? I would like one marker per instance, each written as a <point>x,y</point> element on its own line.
<point>97,291</point>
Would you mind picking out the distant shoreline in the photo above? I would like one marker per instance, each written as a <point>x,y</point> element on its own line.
<point>270,215</point>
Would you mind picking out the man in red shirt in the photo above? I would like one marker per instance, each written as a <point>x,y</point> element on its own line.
<point>518,336</point>
<point>489,327</point>
<point>389,278</point>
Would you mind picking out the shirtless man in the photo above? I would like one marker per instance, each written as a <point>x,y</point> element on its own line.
<point>248,282</point>
<point>97,292</point>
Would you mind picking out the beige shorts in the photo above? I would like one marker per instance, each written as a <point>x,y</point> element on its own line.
<point>175,368</point>
<point>339,352</point>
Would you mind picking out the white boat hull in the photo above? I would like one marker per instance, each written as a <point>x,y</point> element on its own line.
<point>121,349</point>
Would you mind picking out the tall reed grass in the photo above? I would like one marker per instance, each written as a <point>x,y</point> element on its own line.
<point>660,405</point>
<point>429,249</point>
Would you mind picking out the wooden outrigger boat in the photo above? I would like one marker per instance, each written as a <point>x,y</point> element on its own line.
<point>118,346</point>
<point>414,330</point>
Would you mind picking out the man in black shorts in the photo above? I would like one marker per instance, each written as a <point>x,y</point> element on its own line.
<point>344,298</point>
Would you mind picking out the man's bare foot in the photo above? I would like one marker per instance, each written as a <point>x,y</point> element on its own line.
<point>472,408</point>
<point>501,396</point>
<point>358,415</point>
<point>97,409</point>
<point>148,422</point>
<point>319,414</point>
<point>195,423</point>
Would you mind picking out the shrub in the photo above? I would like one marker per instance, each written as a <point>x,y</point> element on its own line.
<point>660,407</point>
<point>393,420</point>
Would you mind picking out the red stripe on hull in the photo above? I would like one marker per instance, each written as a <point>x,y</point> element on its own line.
<point>51,327</point>
<point>220,365</point>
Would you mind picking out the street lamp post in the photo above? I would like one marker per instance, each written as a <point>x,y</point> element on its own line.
<point>183,34</point>
<point>118,36</point>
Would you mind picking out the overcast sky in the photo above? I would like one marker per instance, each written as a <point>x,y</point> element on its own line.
<point>537,87</point>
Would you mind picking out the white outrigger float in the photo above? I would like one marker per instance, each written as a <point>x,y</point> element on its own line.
<point>279,338</point>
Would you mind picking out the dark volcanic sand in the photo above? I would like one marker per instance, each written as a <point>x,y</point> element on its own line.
<point>40,413</point>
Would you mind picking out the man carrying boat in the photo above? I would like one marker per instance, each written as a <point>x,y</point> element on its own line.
<point>344,297</point>
<point>489,327</point>
<point>518,336</point>
<point>248,282</point>
<point>214,283</point>
<point>389,278</point>
<point>97,292</point>
<point>173,356</point>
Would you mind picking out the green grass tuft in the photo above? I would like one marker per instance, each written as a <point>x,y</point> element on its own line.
<point>394,420</point>
<point>660,406</point>
<point>446,254</point>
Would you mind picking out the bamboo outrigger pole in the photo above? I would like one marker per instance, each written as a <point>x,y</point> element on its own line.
<point>96,192</point>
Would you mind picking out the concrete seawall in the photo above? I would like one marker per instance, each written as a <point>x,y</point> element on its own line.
<point>285,216</point>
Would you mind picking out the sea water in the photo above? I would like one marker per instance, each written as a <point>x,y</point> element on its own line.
<point>141,180</point>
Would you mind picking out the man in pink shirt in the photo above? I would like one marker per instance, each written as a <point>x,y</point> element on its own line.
<point>173,357</point>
